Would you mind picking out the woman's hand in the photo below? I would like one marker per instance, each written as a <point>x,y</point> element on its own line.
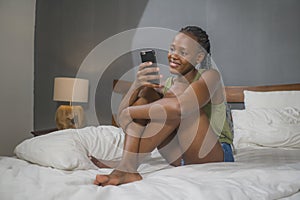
<point>141,92</point>
<point>144,75</point>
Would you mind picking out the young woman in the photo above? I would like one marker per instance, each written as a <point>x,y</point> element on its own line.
<point>185,119</point>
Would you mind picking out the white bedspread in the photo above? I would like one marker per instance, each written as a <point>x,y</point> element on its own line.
<point>257,174</point>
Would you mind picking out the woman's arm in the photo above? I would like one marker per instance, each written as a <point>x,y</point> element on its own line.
<point>130,97</point>
<point>141,91</point>
<point>197,95</point>
<point>208,88</point>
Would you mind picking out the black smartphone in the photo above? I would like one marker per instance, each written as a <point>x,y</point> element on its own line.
<point>147,56</point>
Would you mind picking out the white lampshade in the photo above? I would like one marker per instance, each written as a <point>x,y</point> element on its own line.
<point>70,89</point>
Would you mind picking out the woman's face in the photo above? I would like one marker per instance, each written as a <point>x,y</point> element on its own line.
<point>184,54</point>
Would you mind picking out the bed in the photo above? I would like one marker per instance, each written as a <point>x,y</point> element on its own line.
<point>267,154</point>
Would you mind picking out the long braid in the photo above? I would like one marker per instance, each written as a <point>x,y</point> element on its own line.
<point>203,40</point>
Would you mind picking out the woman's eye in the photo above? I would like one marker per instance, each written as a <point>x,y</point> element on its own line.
<point>171,50</point>
<point>183,53</point>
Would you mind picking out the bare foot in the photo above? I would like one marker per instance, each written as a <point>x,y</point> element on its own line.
<point>117,178</point>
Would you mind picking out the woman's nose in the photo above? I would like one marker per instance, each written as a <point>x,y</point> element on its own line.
<point>174,55</point>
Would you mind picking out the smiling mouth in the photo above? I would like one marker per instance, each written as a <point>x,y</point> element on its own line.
<point>174,64</point>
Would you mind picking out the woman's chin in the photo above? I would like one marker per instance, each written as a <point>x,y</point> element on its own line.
<point>174,71</point>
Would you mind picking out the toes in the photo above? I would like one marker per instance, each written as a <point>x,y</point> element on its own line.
<point>101,179</point>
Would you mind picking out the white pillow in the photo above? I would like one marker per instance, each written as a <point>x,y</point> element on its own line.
<point>267,127</point>
<point>103,142</point>
<point>69,149</point>
<point>274,99</point>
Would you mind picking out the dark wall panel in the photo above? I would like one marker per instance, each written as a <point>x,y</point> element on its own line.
<point>253,42</point>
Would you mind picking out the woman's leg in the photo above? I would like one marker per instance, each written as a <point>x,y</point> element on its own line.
<point>171,150</point>
<point>126,169</point>
<point>147,95</point>
<point>198,141</point>
<point>135,150</point>
<point>190,138</point>
<point>162,136</point>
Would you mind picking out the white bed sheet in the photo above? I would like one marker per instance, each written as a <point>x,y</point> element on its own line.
<point>260,173</point>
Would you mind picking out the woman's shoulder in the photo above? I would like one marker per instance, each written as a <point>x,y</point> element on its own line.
<point>211,70</point>
<point>209,74</point>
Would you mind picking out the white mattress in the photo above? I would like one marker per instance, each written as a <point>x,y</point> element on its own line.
<point>259,173</point>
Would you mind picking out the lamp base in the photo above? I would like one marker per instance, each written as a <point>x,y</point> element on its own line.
<point>69,117</point>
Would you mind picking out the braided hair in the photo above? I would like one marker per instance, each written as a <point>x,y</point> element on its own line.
<point>202,38</point>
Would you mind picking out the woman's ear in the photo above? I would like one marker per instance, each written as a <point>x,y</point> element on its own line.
<point>200,57</point>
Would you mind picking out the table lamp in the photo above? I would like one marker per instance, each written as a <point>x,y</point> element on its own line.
<point>70,90</point>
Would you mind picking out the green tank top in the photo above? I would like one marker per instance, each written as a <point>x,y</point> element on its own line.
<point>216,114</point>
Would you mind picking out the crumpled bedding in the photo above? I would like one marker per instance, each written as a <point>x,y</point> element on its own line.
<point>258,173</point>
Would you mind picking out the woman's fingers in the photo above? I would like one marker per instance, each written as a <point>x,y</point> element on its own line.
<point>147,78</point>
<point>145,65</point>
<point>148,70</point>
<point>148,73</point>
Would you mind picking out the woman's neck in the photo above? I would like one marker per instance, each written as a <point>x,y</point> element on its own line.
<point>189,76</point>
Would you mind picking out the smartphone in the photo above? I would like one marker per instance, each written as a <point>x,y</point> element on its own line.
<point>147,56</point>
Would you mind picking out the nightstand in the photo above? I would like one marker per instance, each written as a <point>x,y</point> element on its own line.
<point>43,132</point>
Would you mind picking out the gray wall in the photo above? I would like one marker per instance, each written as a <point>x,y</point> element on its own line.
<point>254,42</point>
<point>16,72</point>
